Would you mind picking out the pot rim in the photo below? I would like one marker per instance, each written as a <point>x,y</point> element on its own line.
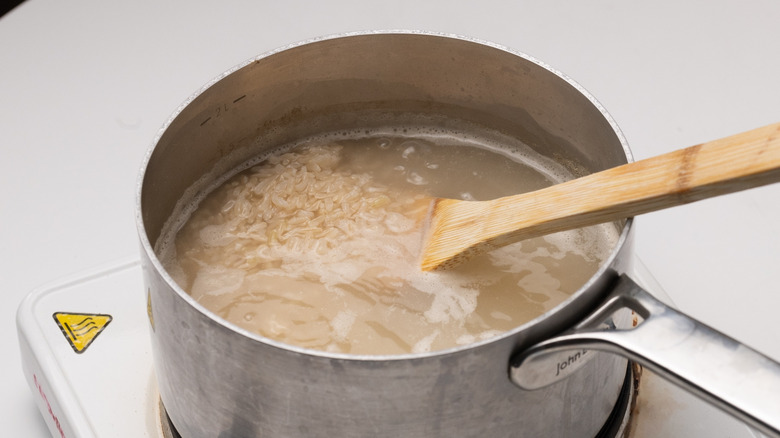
<point>150,253</point>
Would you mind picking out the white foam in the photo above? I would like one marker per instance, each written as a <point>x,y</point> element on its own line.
<point>217,235</point>
<point>342,324</point>
<point>215,281</point>
<point>424,344</point>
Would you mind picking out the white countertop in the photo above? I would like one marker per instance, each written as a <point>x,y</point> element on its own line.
<point>84,87</point>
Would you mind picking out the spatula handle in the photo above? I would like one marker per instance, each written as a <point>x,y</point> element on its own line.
<point>731,164</point>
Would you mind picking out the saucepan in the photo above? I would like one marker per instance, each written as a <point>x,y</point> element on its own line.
<point>558,375</point>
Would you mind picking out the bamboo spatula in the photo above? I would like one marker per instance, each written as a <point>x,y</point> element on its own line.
<point>458,230</point>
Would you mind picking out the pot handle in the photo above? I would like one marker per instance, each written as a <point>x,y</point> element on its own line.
<point>717,368</point>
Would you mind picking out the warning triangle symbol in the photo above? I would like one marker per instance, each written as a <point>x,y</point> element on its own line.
<point>81,329</point>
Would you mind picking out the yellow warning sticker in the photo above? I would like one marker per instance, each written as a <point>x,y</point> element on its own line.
<point>81,329</point>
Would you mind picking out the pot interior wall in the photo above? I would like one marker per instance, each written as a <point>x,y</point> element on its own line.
<point>366,81</point>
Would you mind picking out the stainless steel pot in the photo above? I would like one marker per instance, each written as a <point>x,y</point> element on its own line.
<point>216,379</point>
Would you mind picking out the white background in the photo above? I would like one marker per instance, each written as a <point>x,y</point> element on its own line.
<point>85,85</point>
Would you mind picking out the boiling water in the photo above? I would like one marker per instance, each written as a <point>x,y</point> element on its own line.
<point>318,245</point>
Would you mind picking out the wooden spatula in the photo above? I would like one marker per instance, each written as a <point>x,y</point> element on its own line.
<point>458,230</point>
